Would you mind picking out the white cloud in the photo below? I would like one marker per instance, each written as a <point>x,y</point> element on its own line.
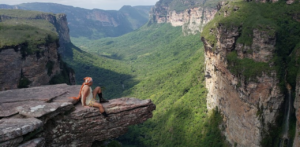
<point>89,4</point>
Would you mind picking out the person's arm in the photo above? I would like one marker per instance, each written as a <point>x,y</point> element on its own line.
<point>85,92</point>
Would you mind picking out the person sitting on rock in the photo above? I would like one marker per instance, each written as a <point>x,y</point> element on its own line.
<point>88,97</point>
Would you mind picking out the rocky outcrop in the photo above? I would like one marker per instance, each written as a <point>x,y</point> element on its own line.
<point>20,70</point>
<point>104,18</point>
<point>45,116</point>
<point>297,108</point>
<point>290,2</point>
<point>264,1</point>
<point>247,105</point>
<point>261,49</point>
<point>61,24</point>
<point>59,21</point>
<point>192,20</point>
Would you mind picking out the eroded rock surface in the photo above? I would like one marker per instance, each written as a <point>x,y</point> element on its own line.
<point>247,105</point>
<point>46,116</point>
<point>192,20</point>
<point>297,107</point>
<point>19,68</point>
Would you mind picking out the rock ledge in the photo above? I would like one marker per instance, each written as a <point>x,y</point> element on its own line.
<point>45,116</point>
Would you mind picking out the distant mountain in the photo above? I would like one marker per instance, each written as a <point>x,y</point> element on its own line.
<point>96,23</point>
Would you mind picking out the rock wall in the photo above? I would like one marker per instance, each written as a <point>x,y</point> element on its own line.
<point>20,70</point>
<point>297,107</point>
<point>61,24</point>
<point>59,21</point>
<point>34,68</point>
<point>45,116</point>
<point>247,106</point>
<point>103,17</point>
<point>192,20</point>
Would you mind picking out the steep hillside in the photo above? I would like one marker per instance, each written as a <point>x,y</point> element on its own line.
<point>133,54</point>
<point>251,51</point>
<point>155,60</point>
<point>96,23</point>
<point>29,50</point>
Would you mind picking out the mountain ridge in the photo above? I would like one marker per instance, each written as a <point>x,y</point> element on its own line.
<point>95,23</point>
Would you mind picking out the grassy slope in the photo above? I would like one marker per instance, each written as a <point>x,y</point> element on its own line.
<point>136,15</point>
<point>168,68</point>
<point>147,50</point>
<point>22,30</point>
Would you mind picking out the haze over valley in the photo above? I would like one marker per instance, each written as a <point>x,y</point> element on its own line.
<point>177,73</point>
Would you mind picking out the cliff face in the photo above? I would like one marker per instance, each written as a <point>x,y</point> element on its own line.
<point>247,106</point>
<point>251,69</point>
<point>192,20</point>
<point>104,18</point>
<point>30,70</point>
<point>297,107</point>
<point>61,24</point>
<point>45,116</point>
<point>59,21</point>
<point>62,29</point>
<point>29,63</point>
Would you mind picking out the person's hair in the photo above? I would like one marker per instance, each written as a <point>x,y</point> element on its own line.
<point>87,80</point>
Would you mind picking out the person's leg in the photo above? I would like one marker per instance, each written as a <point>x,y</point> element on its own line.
<point>99,106</point>
<point>101,109</point>
<point>98,91</point>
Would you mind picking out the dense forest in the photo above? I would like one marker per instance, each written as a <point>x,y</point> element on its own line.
<point>155,62</point>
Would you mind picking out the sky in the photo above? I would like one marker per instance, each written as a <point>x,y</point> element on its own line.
<point>89,4</point>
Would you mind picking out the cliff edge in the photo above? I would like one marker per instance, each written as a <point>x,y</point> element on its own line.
<point>249,58</point>
<point>45,116</point>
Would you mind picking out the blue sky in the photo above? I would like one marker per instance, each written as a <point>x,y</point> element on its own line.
<point>89,4</point>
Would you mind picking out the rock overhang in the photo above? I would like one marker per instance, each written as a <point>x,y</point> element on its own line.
<point>33,108</point>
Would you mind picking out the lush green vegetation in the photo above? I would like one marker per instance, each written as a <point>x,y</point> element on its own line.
<point>63,76</point>
<point>247,68</point>
<point>128,59</point>
<point>155,62</point>
<point>31,37</point>
<point>87,23</point>
<point>181,117</point>
<point>20,13</point>
<point>249,16</point>
<point>108,73</point>
<point>20,29</point>
<point>23,81</point>
<point>145,51</point>
<point>273,19</point>
<point>278,20</point>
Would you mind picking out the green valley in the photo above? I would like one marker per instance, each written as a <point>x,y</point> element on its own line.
<point>241,80</point>
<point>155,62</point>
